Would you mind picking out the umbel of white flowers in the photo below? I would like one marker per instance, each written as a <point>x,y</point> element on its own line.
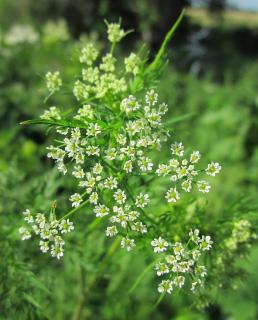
<point>179,262</point>
<point>49,231</point>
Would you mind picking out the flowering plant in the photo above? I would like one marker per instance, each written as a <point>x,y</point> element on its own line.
<point>109,143</point>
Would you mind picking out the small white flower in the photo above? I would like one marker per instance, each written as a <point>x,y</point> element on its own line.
<point>128,166</point>
<point>161,268</point>
<point>101,210</point>
<point>28,216</point>
<point>108,63</point>
<point>183,267</point>
<point>213,169</point>
<point>94,198</point>
<point>182,171</point>
<point>187,185</point>
<point>139,227</point>
<point>78,172</point>
<point>66,226</point>
<point>195,284</point>
<point>151,98</point>
<point>120,196</point>
<point>127,243</point>
<point>165,286</point>
<point>203,186</point>
<point>111,231</point>
<point>142,200</point>
<point>85,111</point>
<point>132,64</point>
<point>145,164</point>
<point>40,219</point>
<point>160,245</point>
<point>93,130</point>
<point>97,169</point>
<point>110,183</point>
<point>25,234</point>
<point>163,170</point>
<point>44,246</point>
<point>171,259</point>
<point>179,281</point>
<point>173,163</point>
<point>201,271</point>
<point>129,104</point>
<point>177,149</point>
<point>57,251</point>
<point>111,154</point>
<point>121,139</point>
<point>132,215</point>
<point>172,195</point>
<point>178,249</point>
<point>194,235</point>
<point>76,199</point>
<point>195,156</point>
<point>196,254</point>
<point>205,243</point>
<point>92,151</point>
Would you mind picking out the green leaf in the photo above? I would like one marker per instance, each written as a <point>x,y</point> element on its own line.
<point>31,300</point>
<point>179,118</point>
<point>67,123</point>
<point>162,51</point>
<point>148,77</point>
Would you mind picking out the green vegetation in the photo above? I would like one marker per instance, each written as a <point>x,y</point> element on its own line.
<point>96,278</point>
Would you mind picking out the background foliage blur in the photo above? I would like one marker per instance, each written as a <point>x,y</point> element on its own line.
<point>212,76</point>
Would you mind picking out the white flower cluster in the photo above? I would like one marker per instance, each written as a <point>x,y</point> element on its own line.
<point>52,113</point>
<point>50,232</point>
<point>183,172</point>
<point>54,82</point>
<point>21,34</point>
<point>55,31</point>
<point>180,262</point>
<point>99,81</point>
<point>242,235</point>
<point>115,32</point>
<point>124,215</point>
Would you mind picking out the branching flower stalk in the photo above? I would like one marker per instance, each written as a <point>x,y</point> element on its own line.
<point>108,141</point>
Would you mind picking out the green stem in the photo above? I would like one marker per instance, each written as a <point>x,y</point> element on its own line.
<point>141,276</point>
<point>68,214</point>
<point>132,198</point>
<point>161,297</point>
<point>108,164</point>
<point>164,45</point>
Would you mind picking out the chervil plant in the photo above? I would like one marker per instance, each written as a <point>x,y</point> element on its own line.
<point>109,143</point>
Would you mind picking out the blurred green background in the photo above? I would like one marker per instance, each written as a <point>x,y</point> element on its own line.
<point>212,75</point>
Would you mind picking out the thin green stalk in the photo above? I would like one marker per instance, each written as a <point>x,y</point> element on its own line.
<point>132,197</point>
<point>159,300</point>
<point>164,45</point>
<point>68,214</point>
<point>141,276</point>
<point>82,300</point>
